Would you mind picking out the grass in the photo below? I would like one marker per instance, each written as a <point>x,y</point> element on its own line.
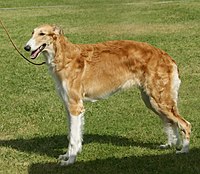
<point>121,135</point>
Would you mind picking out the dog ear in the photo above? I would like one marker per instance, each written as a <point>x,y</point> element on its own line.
<point>57,30</point>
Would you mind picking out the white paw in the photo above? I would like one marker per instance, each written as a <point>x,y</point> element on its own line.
<point>63,157</point>
<point>183,150</point>
<point>165,146</point>
<point>70,161</point>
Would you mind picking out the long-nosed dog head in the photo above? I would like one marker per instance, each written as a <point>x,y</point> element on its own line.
<point>42,39</point>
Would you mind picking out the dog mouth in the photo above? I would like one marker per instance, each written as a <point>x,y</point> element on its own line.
<point>35,53</point>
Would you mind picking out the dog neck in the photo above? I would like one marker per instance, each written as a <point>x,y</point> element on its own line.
<point>61,54</point>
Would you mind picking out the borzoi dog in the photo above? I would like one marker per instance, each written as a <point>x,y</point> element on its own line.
<point>95,71</point>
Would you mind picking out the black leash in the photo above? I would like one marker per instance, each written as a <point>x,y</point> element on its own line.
<point>17,48</point>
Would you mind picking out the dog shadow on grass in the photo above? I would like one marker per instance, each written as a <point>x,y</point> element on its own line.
<point>53,146</point>
<point>160,164</point>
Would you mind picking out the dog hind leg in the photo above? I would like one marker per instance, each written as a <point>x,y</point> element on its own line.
<point>176,121</point>
<point>162,99</point>
<point>172,120</point>
<point>171,129</point>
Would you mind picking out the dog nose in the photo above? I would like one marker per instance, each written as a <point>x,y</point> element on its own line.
<point>27,48</point>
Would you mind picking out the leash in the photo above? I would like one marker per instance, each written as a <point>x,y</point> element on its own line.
<point>7,33</point>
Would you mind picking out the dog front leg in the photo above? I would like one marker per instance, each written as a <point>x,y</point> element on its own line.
<point>75,139</point>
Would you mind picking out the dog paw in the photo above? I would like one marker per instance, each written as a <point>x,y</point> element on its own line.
<point>165,146</point>
<point>63,157</point>
<point>64,163</point>
<point>185,148</point>
<point>182,151</point>
<point>70,161</point>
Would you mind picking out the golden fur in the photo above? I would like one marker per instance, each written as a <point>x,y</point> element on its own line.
<point>95,71</point>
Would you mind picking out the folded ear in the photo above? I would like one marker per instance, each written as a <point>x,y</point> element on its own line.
<point>57,30</point>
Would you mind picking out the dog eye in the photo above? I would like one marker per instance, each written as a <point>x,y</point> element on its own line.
<point>41,34</point>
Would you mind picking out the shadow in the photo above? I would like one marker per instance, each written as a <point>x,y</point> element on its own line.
<point>53,145</point>
<point>166,164</point>
<point>152,164</point>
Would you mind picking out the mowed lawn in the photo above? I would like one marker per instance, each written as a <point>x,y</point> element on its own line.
<point>121,135</point>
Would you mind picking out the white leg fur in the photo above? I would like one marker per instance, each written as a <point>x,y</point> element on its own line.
<point>172,129</point>
<point>185,148</point>
<point>173,136</point>
<point>75,140</point>
<point>176,84</point>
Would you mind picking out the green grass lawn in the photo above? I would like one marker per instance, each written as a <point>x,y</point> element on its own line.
<point>121,135</point>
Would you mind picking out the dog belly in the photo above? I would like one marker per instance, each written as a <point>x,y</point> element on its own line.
<point>95,97</point>
<point>103,92</point>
